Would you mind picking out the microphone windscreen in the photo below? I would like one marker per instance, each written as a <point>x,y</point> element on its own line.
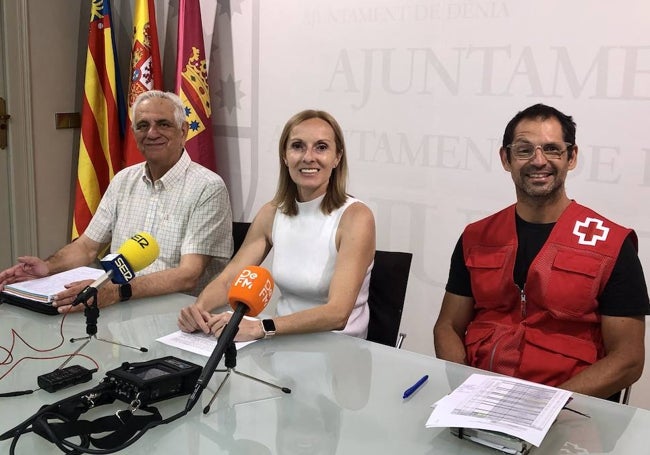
<point>253,287</point>
<point>140,250</point>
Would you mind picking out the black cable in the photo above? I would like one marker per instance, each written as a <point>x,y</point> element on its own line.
<point>16,394</point>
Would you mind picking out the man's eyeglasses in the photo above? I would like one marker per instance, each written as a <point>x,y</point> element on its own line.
<point>526,150</point>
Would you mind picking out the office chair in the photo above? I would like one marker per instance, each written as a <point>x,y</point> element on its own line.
<point>388,283</point>
<point>239,230</point>
<point>625,395</point>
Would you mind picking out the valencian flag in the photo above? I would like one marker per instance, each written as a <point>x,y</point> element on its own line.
<point>146,72</point>
<point>102,118</point>
<point>192,83</point>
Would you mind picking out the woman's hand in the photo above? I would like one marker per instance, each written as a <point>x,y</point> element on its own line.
<point>249,329</point>
<point>193,318</point>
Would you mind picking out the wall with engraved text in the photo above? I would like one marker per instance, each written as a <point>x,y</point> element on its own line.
<point>423,90</point>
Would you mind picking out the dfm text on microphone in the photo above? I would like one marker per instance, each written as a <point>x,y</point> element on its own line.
<point>248,295</point>
<point>252,289</point>
<point>135,254</point>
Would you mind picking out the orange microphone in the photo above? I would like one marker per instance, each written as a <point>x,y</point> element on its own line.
<point>249,294</point>
<point>253,289</point>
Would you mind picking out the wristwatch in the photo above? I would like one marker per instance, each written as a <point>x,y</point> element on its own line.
<point>125,291</point>
<point>268,326</point>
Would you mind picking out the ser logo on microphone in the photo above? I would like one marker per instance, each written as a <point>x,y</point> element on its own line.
<point>141,240</point>
<point>246,279</point>
<point>124,268</point>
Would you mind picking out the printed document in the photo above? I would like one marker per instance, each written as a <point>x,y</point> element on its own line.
<point>197,342</point>
<point>508,405</point>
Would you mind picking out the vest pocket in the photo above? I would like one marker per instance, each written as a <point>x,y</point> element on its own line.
<point>487,272</point>
<point>581,275</point>
<point>489,346</point>
<point>552,359</point>
<point>583,264</point>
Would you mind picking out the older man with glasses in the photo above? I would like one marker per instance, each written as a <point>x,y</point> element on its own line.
<point>183,205</point>
<point>546,290</point>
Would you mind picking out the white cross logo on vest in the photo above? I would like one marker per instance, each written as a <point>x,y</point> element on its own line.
<point>590,231</point>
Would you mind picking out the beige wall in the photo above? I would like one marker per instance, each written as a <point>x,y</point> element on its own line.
<point>55,51</point>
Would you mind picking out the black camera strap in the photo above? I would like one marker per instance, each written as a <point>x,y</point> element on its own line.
<point>137,385</point>
<point>121,427</point>
<point>60,421</point>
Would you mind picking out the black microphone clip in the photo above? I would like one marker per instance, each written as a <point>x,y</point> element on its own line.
<point>86,294</point>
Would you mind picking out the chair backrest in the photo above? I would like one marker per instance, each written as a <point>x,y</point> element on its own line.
<point>388,283</point>
<point>239,230</point>
<point>625,395</point>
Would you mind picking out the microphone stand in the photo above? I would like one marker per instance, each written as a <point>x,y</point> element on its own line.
<point>231,362</point>
<point>92,313</point>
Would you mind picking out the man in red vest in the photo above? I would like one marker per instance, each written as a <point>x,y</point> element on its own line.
<point>546,290</point>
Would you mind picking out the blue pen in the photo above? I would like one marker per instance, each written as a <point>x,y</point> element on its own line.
<point>411,390</point>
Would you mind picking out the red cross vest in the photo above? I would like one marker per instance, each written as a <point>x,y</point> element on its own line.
<point>550,330</point>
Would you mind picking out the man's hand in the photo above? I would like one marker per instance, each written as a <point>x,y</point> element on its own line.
<point>28,268</point>
<point>456,312</point>
<point>106,295</point>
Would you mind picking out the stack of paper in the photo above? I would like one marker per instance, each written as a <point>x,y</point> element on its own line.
<point>44,289</point>
<point>506,405</point>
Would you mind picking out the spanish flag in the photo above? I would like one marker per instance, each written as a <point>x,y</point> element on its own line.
<point>102,118</point>
<point>192,83</point>
<point>146,72</point>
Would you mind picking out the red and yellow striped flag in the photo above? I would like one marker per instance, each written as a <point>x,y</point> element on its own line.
<point>146,72</point>
<point>192,83</point>
<point>102,114</point>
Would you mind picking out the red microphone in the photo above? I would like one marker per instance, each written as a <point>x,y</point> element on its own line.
<point>248,295</point>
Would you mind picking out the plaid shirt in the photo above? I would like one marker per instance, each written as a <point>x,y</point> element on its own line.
<point>187,211</point>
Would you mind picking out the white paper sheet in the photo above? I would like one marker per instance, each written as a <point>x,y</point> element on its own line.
<point>198,342</point>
